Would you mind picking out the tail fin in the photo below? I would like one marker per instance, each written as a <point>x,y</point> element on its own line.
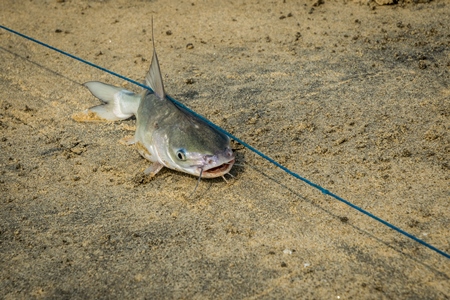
<point>118,103</point>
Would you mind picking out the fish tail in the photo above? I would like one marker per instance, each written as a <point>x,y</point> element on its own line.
<point>118,103</point>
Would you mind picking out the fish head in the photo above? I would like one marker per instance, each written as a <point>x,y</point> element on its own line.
<point>199,150</point>
<point>183,141</point>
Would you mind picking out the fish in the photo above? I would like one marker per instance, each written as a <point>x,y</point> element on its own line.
<point>167,135</point>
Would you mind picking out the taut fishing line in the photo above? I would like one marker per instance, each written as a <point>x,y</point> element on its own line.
<point>285,169</point>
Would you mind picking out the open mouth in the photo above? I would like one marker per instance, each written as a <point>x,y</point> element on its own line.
<point>219,170</point>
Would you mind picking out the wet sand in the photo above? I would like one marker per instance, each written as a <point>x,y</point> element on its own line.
<point>352,96</point>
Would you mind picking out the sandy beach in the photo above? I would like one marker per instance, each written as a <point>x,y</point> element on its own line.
<point>352,95</point>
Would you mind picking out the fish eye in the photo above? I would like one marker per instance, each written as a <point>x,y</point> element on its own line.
<point>181,154</point>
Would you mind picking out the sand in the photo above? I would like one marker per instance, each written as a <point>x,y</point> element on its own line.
<point>351,95</point>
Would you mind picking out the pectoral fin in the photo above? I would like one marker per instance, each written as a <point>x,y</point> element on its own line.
<point>153,169</point>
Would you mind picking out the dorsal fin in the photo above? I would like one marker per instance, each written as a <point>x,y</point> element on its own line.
<point>153,78</point>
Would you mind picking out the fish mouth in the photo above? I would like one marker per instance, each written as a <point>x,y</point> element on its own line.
<point>219,170</point>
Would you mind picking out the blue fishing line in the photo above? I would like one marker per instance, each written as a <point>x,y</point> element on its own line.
<point>323,190</point>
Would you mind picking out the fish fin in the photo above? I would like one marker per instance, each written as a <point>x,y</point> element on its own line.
<point>128,140</point>
<point>104,92</point>
<point>90,115</point>
<point>118,104</point>
<point>153,78</point>
<point>153,169</point>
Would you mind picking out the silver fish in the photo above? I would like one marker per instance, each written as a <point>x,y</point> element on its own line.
<point>166,135</point>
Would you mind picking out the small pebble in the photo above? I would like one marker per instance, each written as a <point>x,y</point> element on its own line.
<point>287,251</point>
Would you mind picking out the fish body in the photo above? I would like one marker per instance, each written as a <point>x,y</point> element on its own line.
<point>166,134</point>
